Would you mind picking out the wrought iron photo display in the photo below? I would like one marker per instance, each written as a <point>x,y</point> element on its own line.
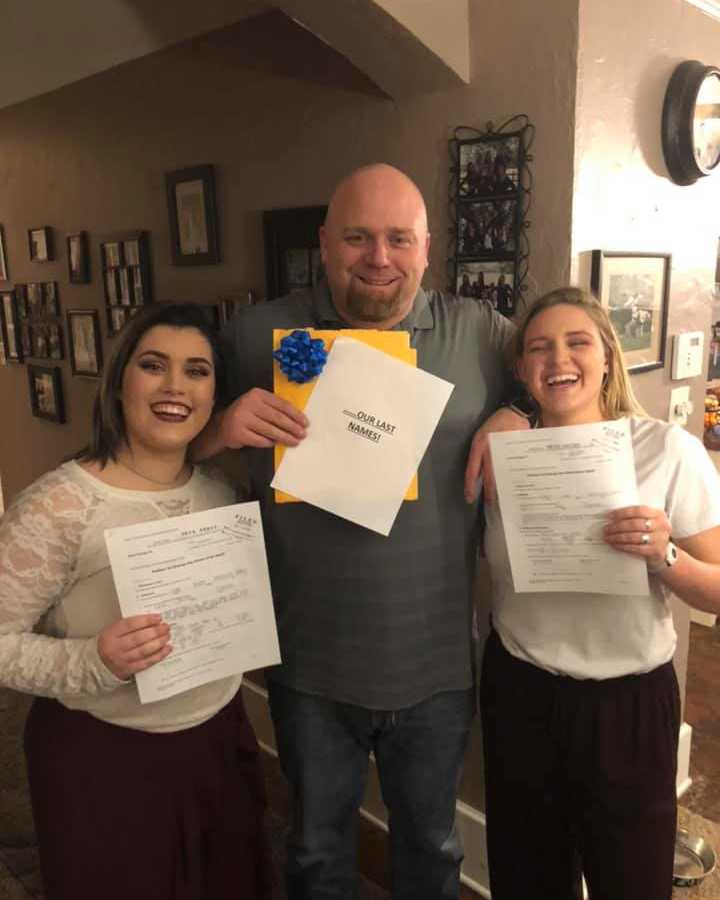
<point>490,190</point>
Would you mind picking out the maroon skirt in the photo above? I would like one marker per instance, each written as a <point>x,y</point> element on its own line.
<point>124,814</point>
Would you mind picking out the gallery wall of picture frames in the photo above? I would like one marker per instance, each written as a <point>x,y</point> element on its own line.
<point>490,196</point>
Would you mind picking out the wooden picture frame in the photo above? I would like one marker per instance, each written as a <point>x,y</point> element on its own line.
<point>192,212</point>
<point>83,328</point>
<point>78,257</point>
<point>634,287</point>
<point>46,396</point>
<point>3,257</point>
<point>40,244</point>
<point>10,327</point>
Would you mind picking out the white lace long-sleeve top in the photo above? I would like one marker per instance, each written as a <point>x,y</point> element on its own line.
<point>57,593</point>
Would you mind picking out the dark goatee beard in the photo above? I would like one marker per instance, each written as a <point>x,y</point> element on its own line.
<point>368,305</point>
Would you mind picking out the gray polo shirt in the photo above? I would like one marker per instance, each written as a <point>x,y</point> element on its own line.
<point>381,622</point>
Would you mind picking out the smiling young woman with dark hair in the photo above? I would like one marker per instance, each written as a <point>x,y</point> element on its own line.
<point>161,801</point>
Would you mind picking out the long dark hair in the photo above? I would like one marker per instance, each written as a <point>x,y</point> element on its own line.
<point>108,422</point>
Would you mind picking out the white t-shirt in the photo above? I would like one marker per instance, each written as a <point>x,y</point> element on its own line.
<point>603,635</point>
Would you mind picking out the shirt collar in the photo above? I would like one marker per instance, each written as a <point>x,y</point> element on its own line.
<point>420,316</point>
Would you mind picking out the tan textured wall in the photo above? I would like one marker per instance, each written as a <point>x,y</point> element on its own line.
<point>624,199</point>
<point>282,117</point>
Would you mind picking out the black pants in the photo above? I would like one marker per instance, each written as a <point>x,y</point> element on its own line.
<point>580,776</point>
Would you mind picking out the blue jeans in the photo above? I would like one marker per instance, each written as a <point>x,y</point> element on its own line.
<point>324,748</point>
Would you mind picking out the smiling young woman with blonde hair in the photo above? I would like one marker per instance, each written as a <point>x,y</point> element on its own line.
<point>579,698</point>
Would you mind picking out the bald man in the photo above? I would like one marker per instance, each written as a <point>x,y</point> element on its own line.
<point>374,631</point>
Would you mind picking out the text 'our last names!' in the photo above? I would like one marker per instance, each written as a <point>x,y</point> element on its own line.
<point>370,427</point>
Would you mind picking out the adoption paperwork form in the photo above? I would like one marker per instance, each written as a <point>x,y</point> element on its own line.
<point>555,488</point>
<point>371,419</point>
<point>206,573</point>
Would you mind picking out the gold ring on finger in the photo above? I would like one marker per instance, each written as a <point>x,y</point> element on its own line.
<point>645,539</point>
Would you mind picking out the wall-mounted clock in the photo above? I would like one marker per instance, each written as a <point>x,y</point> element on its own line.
<point>691,122</point>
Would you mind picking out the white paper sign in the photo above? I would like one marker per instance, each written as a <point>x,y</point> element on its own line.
<point>206,574</point>
<point>371,420</point>
<point>555,489</point>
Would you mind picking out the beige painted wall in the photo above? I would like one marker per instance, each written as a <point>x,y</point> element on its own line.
<point>282,117</point>
<point>624,199</point>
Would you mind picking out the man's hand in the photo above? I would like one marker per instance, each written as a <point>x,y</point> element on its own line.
<point>479,464</point>
<point>261,419</point>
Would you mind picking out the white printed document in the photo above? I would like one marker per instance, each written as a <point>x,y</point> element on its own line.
<point>206,574</point>
<point>371,420</point>
<point>555,489</point>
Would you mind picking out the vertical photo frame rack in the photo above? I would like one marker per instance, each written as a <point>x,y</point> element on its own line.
<point>126,274</point>
<point>490,195</point>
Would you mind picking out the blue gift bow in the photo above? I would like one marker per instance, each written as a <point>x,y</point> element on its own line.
<point>300,357</point>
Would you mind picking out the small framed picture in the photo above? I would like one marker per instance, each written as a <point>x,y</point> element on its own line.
<point>22,301</point>
<point>132,252</point>
<point>10,330</point>
<point>117,316</point>
<point>193,216</point>
<point>46,398</point>
<point>486,227</point>
<point>489,166</point>
<point>55,346</point>
<point>492,280</point>
<point>78,258</point>
<point>634,288</point>
<point>113,254</point>
<point>3,257</point>
<point>51,299</point>
<point>123,287</point>
<point>26,339</point>
<point>35,299</point>
<point>112,294</point>
<point>137,285</point>
<point>40,342</point>
<point>85,344</point>
<point>40,241</point>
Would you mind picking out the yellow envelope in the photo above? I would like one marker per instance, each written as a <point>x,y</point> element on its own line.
<point>394,343</point>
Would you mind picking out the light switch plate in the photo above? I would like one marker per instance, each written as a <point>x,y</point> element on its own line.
<point>679,405</point>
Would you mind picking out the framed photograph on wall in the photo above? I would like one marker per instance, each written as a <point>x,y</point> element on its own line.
<point>3,257</point>
<point>193,216</point>
<point>10,329</point>
<point>46,398</point>
<point>40,241</point>
<point>83,327</point>
<point>489,165</point>
<point>491,280</point>
<point>486,228</point>
<point>78,258</point>
<point>635,289</point>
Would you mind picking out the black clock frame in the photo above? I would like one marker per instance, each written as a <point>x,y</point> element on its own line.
<point>677,121</point>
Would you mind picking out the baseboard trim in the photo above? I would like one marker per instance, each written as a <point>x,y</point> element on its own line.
<point>470,821</point>
<point>700,617</point>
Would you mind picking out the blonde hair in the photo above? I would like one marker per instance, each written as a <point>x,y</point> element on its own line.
<point>616,397</point>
